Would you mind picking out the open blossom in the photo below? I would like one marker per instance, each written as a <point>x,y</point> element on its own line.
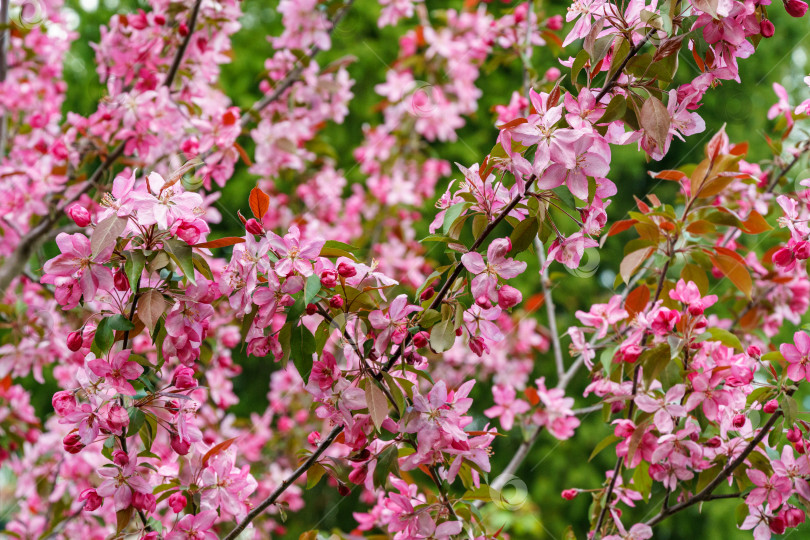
<point>394,324</point>
<point>665,407</point>
<point>195,527</point>
<point>797,356</point>
<point>118,371</point>
<point>602,316</point>
<point>295,254</point>
<point>76,272</point>
<point>485,283</point>
<point>689,294</point>
<point>165,203</point>
<point>774,489</point>
<point>506,406</point>
<point>229,486</point>
<point>589,156</point>
<point>121,482</point>
<point>554,411</point>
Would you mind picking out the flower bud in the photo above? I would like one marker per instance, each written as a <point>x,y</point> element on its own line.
<point>777,525</point>
<point>766,28</point>
<point>771,407</point>
<point>92,499</point>
<point>783,257</point>
<point>795,8</point>
<point>314,438</point>
<point>420,339</point>
<point>802,250</point>
<point>72,443</point>
<point>799,446</point>
<point>182,29</point>
<point>117,418</point>
<point>616,406</point>
<point>183,378</point>
<point>346,270</point>
<point>754,351</point>
<point>508,297</point>
<point>624,429</point>
<point>552,74</point>
<point>177,502</point>
<point>427,294</point>
<point>794,517</point>
<point>63,403</point>
<point>79,215</point>
<point>179,445</point>
<point>328,279</point>
<point>254,227</point>
<point>478,346</point>
<point>738,421</point>
<point>570,494</point>
<point>120,280</point>
<point>794,434</point>
<point>75,341</point>
<point>358,475</point>
<point>343,489</point>
<point>144,501</point>
<point>630,353</point>
<point>555,22</point>
<point>336,301</point>
<point>714,442</point>
<point>459,331</point>
<point>160,20</point>
<point>312,309</point>
<point>120,458</point>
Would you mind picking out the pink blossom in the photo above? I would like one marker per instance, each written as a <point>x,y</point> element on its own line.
<point>485,284</point>
<point>602,316</point>
<point>797,356</point>
<point>665,407</point>
<point>295,254</point>
<point>195,527</point>
<point>118,372</point>
<point>76,272</point>
<point>394,324</point>
<point>774,490</point>
<point>506,406</point>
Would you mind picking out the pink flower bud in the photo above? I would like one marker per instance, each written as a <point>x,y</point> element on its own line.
<point>794,517</point>
<point>182,29</point>
<point>616,406</point>
<point>343,489</point>
<point>777,525</point>
<point>624,428</point>
<point>552,74</point>
<point>79,215</point>
<point>771,407</point>
<point>714,442</point>
<point>314,438</point>
<point>120,280</point>
<point>754,351</point>
<point>346,270</point>
<point>63,403</point>
<point>555,22</point>
<point>795,8</point>
<point>701,324</point>
<point>177,502</point>
<point>72,443</point>
<point>766,28</point>
<point>427,294</point>
<point>254,227</point>
<point>570,494</point>
<point>738,421</point>
<point>459,331</point>
<point>783,258</point>
<point>144,501</point>
<point>630,353</point>
<point>799,446</point>
<point>160,20</point>
<point>312,309</point>
<point>358,475</point>
<point>117,418</point>
<point>120,458</point>
<point>336,301</point>
<point>420,339</point>
<point>328,278</point>
<point>75,341</point>
<point>93,500</point>
<point>802,250</point>
<point>478,346</point>
<point>183,378</point>
<point>794,434</point>
<point>179,445</point>
<point>508,297</point>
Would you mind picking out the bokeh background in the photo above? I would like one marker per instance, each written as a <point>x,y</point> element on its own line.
<point>536,509</point>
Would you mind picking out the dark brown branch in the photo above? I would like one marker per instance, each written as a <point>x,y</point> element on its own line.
<point>178,57</point>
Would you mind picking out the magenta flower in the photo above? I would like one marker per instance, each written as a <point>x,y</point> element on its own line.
<point>590,157</point>
<point>295,255</point>
<point>394,324</point>
<point>165,204</point>
<point>602,316</point>
<point>478,321</point>
<point>118,372</point>
<point>797,356</point>
<point>121,482</point>
<point>193,527</point>
<point>75,272</point>
<point>506,406</point>
<point>225,486</point>
<point>485,284</point>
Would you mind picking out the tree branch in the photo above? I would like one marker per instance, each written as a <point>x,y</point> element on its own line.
<point>181,51</point>
<point>4,35</point>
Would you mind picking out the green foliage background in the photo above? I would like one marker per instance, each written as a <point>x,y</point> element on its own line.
<point>552,465</point>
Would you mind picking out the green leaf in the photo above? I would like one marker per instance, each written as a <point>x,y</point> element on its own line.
<point>104,338</point>
<point>312,288</point>
<point>726,338</point>
<point>614,111</point>
<point>451,214</point>
<point>314,475</point>
<point>523,235</point>
<point>604,443</point>
<point>654,362</point>
<point>202,266</point>
<point>642,481</point>
<point>386,463</point>
<point>395,391</point>
<point>443,336</point>
<point>791,410</point>
<point>106,234</point>
<point>136,420</point>
<point>119,322</point>
<point>302,347</point>
<point>336,249</point>
<point>133,267</point>
<point>181,253</point>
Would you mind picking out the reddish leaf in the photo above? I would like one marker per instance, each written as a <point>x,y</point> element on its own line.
<point>244,155</point>
<point>701,226</point>
<point>632,261</point>
<point>677,176</point>
<point>535,302</point>
<point>735,270</point>
<point>532,396</point>
<point>739,149</point>
<point>512,123</point>
<point>718,141</point>
<point>637,300</point>
<point>259,203</point>
<point>755,223</point>
<point>621,226</point>
<point>655,121</point>
<point>151,307</point>
<point>220,242</point>
<point>218,449</point>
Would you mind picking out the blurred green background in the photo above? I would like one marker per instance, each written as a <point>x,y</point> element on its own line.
<point>552,466</point>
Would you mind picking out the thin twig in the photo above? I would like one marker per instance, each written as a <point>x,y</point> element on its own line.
<point>4,35</point>
<point>181,51</point>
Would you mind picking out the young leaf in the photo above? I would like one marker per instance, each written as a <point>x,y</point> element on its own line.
<point>221,242</point>
<point>377,404</point>
<point>180,252</point>
<point>259,203</point>
<point>151,306</point>
<point>133,267</point>
<point>107,233</point>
